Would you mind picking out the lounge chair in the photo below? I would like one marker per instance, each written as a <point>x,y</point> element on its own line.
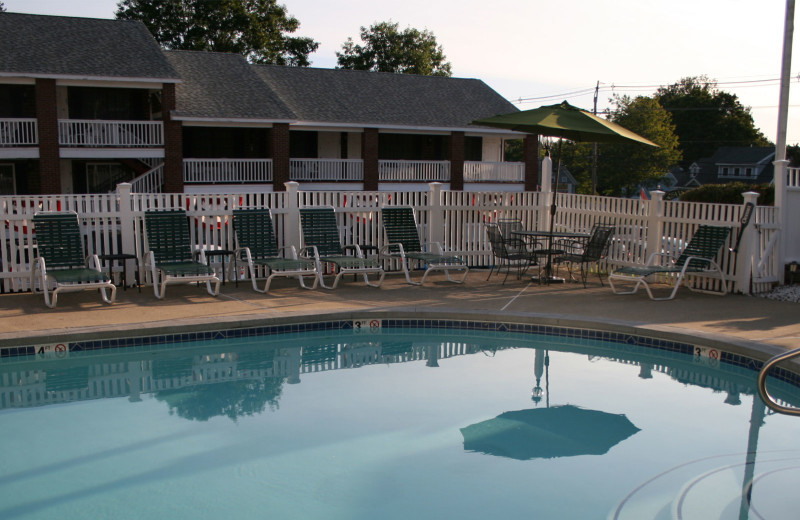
<point>169,253</point>
<point>697,258</point>
<point>258,248</point>
<point>321,241</point>
<point>61,262</point>
<point>594,250</point>
<point>403,243</point>
<point>509,251</point>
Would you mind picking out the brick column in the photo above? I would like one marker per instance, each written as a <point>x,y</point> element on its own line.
<point>457,152</point>
<point>279,151</point>
<point>530,156</point>
<point>173,142</point>
<point>49,179</point>
<point>369,153</point>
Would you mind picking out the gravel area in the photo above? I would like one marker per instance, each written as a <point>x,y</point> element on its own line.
<point>784,293</point>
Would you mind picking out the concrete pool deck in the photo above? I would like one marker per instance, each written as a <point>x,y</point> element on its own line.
<point>770,325</point>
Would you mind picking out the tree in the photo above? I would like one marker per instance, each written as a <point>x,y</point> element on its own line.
<point>707,118</point>
<point>386,49</point>
<point>2,7</point>
<point>254,28</point>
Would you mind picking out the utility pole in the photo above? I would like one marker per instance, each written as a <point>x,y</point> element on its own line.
<point>594,145</point>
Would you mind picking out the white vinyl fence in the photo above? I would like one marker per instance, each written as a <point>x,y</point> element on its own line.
<point>113,223</point>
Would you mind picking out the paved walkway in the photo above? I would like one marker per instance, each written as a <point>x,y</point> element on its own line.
<point>735,319</point>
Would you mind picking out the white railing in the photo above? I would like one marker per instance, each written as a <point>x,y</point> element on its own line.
<point>226,171</point>
<point>19,132</point>
<point>113,223</point>
<point>414,171</point>
<point>149,182</point>
<point>117,134</point>
<point>315,170</point>
<point>793,177</point>
<point>477,171</point>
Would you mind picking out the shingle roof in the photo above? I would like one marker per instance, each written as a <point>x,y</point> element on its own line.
<point>742,154</point>
<point>223,86</point>
<point>380,99</point>
<point>36,45</point>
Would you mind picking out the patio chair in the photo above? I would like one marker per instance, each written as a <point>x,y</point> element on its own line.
<point>591,252</point>
<point>257,246</point>
<point>403,243</point>
<point>321,241</point>
<point>169,253</point>
<point>508,251</point>
<point>697,258</point>
<point>61,262</point>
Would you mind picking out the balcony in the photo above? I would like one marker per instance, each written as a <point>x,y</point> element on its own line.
<point>18,132</point>
<point>413,171</point>
<point>326,170</point>
<point>89,133</point>
<point>475,171</point>
<point>227,171</point>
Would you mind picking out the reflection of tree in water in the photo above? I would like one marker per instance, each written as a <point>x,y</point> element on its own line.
<point>233,399</point>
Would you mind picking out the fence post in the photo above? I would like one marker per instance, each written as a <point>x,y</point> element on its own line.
<point>747,248</point>
<point>127,226</point>
<point>545,198</point>
<point>291,224</point>
<point>436,220</point>
<point>655,223</point>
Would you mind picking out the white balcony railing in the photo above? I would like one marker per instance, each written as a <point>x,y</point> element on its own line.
<point>226,171</point>
<point>115,134</point>
<point>315,170</point>
<point>475,171</point>
<point>18,132</point>
<point>414,171</point>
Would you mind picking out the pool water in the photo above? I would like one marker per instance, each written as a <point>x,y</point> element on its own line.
<point>397,424</point>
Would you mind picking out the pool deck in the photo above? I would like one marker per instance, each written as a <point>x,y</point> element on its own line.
<point>767,325</point>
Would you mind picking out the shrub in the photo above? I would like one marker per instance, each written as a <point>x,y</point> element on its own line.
<point>730,193</point>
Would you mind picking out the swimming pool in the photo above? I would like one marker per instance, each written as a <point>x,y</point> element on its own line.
<point>332,421</point>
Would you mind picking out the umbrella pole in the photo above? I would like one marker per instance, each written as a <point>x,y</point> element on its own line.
<point>548,269</point>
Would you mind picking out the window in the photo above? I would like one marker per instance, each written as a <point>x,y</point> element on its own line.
<point>8,185</point>
<point>736,172</point>
<point>724,171</point>
<point>748,172</point>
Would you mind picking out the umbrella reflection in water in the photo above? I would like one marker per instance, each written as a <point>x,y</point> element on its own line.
<point>560,431</point>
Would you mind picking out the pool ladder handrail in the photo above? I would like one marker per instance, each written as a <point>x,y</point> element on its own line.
<point>762,383</point>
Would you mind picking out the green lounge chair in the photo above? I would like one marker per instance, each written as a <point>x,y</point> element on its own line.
<point>61,262</point>
<point>169,253</point>
<point>697,258</point>
<point>257,246</point>
<point>403,243</point>
<point>321,240</point>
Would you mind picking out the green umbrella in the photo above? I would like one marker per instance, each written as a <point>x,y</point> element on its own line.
<point>565,121</point>
<point>560,431</point>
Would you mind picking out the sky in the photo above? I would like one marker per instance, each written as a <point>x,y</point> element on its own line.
<point>536,52</point>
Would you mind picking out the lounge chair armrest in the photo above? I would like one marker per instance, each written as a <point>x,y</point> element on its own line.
<point>291,250</point>
<point>309,252</point>
<point>689,260</point>
<point>393,249</point>
<point>93,262</point>
<point>354,247</point>
<point>654,256</point>
<point>434,247</point>
<point>242,253</point>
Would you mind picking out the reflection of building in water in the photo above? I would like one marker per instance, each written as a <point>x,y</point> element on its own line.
<point>26,383</point>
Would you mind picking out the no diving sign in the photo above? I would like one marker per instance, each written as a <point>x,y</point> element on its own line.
<point>373,325</point>
<point>707,356</point>
<point>52,350</point>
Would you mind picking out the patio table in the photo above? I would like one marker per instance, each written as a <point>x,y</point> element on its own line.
<point>549,235</point>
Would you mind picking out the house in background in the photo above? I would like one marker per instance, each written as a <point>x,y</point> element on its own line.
<point>748,164</point>
<point>88,103</point>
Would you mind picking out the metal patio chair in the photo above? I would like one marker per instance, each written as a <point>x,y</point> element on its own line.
<point>592,251</point>
<point>509,251</point>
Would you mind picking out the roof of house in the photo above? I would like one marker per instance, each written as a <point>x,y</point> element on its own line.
<point>382,99</point>
<point>60,46</point>
<point>220,85</point>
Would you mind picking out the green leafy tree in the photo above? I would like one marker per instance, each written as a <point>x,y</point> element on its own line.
<point>2,7</point>
<point>387,49</point>
<point>707,118</point>
<point>257,29</point>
